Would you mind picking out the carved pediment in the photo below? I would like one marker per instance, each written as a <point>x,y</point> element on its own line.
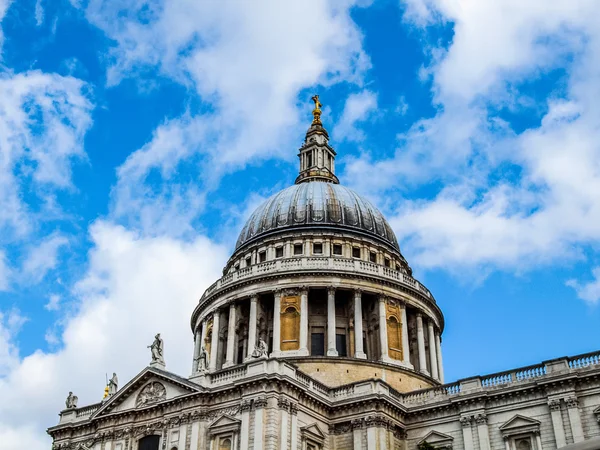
<point>437,439</point>
<point>224,424</point>
<point>519,424</point>
<point>149,387</point>
<point>313,432</point>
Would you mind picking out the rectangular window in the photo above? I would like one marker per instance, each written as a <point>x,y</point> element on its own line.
<point>317,248</point>
<point>356,252</point>
<point>340,344</point>
<point>372,257</point>
<point>398,267</point>
<point>248,261</point>
<point>337,249</point>
<point>262,256</point>
<point>279,252</point>
<point>387,262</point>
<point>317,344</point>
<point>240,354</point>
<point>297,249</point>
<point>236,267</point>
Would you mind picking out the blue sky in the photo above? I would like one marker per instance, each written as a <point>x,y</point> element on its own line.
<point>136,136</point>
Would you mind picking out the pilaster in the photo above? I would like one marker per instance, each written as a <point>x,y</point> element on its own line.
<point>214,344</point>
<point>252,326</point>
<point>331,344</point>
<point>421,345</point>
<point>574,418</point>
<point>557,422</point>
<point>276,324</point>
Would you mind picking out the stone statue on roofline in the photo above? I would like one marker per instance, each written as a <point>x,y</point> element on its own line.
<point>71,401</point>
<point>157,350</point>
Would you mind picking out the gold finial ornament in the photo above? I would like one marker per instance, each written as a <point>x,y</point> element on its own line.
<point>317,111</point>
<point>105,392</point>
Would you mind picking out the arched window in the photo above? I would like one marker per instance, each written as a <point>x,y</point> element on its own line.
<point>225,444</point>
<point>394,332</point>
<point>290,329</point>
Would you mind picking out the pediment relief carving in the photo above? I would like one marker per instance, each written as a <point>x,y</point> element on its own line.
<point>437,439</point>
<point>519,424</point>
<point>313,432</point>
<point>224,424</point>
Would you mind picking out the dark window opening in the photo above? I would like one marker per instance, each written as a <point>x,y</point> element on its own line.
<point>248,261</point>
<point>297,249</point>
<point>373,257</point>
<point>240,354</point>
<point>279,252</point>
<point>262,256</point>
<point>149,443</point>
<point>398,267</point>
<point>340,344</point>
<point>355,252</point>
<point>387,262</point>
<point>309,164</point>
<point>337,249</point>
<point>317,344</point>
<point>318,248</point>
<point>236,267</point>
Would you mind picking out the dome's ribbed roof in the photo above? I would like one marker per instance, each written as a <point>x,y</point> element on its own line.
<point>317,204</point>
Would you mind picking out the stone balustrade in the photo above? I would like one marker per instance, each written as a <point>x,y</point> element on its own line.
<point>309,263</point>
<point>421,397</point>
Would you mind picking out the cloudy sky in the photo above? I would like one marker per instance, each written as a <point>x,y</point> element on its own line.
<point>137,135</point>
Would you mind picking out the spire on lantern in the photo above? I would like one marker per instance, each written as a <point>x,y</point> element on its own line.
<point>316,155</point>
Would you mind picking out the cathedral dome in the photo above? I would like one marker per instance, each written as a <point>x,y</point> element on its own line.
<point>317,204</point>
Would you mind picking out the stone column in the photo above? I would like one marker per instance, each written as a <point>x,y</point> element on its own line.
<point>304,322</point>
<point>294,426</point>
<point>538,439</point>
<point>467,433</point>
<point>557,423</point>
<point>245,426</point>
<point>331,347</point>
<point>383,342</point>
<point>259,413</point>
<point>438,348</point>
<point>371,438</point>
<point>507,443</point>
<point>405,344</point>
<point>574,419</point>
<point>432,351</point>
<point>421,345</point>
<point>277,324</point>
<point>359,351</point>
<point>483,432</point>
<point>283,428</point>
<point>252,325</point>
<point>229,355</point>
<point>357,426</point>
<point>214,342</point>
<point>197,347</point>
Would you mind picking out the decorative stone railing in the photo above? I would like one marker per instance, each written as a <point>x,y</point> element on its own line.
<point>503,378</point>
<point>228,375</point>
<point>87,411</point>
<point>311,263</point>
<point>585,360</point>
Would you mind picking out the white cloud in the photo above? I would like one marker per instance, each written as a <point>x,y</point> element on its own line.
<point>590,291</point>
<point>510,198</point>
<point>43,119</point>
<point>53,303</point>
<point>39,13</point>
<point>43,257</point>
<point>134,288</point>
<point>5,272</point>
<point>358,108</point>
<point>248,62</point>
<point>10,325</point>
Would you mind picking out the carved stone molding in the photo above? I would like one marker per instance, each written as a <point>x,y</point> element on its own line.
<point>246,405</point>
<point>572,402</point>
<point>260,402</point>
<point>465,421</point>
<point>358,424</point>
<point>283,403</point>
<point>481,419</point>
<point>554,404</point>
<point>294,408</point>
<point>341,428</point>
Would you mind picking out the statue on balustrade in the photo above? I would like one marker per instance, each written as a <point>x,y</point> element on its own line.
<point>71,401</point>
<point>113,384</point>
<point>203,360</point>
<point>157,349</point>
<point>260,349</point>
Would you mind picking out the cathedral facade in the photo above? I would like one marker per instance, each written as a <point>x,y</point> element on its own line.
<point>317,337</point>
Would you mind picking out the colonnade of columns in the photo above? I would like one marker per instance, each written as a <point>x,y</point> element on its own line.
<point>429,359</point>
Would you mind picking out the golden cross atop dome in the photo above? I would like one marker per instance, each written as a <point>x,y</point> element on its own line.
<point>317,111</point>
